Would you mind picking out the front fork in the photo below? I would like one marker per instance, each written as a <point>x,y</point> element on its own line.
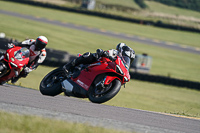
<point>109,79</point>
<point>106,81</point>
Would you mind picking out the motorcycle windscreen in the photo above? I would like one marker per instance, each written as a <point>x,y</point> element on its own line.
<point>22,54</point>
<point>126,61</point>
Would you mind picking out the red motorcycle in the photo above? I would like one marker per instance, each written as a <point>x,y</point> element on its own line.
<point>99,81</point>
<point>12,63</point>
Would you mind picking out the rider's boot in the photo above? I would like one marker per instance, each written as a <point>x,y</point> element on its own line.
<point>70,66</point>
<point>86,58</point>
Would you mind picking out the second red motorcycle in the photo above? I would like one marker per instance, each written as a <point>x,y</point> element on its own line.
<point>12,63</point>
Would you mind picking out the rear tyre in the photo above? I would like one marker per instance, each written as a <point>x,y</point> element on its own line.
<point>3,69</point>
<point>51,83</point>
<point>100,96</point>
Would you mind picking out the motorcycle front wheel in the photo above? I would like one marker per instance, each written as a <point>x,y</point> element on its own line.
<point>51,83</point>
<point>102,95</point>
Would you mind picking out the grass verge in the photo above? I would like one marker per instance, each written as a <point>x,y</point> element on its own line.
<point>15,123</point>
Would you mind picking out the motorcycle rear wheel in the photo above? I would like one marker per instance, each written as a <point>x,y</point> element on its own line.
<point>106,95</point>
<point>50,84</point>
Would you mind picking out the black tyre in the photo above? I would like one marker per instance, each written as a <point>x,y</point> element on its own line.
<point>2,83</point>
<point>51,83</point>
<point>3,69</point>
<point>102,95</point>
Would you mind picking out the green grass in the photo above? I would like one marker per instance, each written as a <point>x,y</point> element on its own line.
<point>155,7</point>
<point>155,11</point>
<point>127,3</point>
<point>186,38</point>
<point>158,7</point>
<point>15,123</point>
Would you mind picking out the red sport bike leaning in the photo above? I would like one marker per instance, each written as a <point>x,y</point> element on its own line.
<point>12,63</point>
<point>99,81</point>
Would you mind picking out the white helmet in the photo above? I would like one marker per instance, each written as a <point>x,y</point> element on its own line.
<point>119,46</point>
<point>41,43</point>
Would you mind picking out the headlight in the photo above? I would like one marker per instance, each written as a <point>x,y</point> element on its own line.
<point>119,70</point>
<point>13,64</point>
<point>125,79</point>
<point>7,55</point>
<point>12,59</point>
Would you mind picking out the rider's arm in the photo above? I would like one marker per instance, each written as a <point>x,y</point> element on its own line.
<point>25,43</point>
<point>38,60</point>
<point>113,52</point>
<point>107,54</point>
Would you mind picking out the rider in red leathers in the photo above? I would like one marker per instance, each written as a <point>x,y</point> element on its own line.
<point>37,55</point>
<point>88,58</point>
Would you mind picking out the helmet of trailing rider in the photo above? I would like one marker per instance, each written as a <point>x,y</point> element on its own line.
<point>40,43</point>
<point>128,52</point>
<point>119,46</point>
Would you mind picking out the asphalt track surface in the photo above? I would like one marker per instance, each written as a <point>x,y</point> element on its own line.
<point>133,38</point>
<point>32,102</point>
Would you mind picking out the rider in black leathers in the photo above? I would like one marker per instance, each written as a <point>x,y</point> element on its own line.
<point>88,58</point>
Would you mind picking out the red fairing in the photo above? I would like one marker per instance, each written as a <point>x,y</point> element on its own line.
<point>15,59</point>
<point>109,79</point>
<point>104,65</point>
<point>20,63</point>
<point>124,69</point>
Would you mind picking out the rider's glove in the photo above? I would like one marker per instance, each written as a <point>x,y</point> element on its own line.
<point>99,52</point>
<point>102,53</point>
<point>10,45</point>
<point>105,54</point>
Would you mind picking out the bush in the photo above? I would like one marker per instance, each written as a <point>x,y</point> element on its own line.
<point>141,3</point>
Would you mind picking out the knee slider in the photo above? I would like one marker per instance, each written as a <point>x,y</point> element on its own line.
<point>85,55</point>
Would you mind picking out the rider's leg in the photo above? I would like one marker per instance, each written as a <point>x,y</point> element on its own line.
<point>86,58</point>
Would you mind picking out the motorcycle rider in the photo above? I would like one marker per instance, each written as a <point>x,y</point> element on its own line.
<point>88,58</point>
<point>36,57</point>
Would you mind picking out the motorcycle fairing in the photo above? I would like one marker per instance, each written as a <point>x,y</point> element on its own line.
<point>123,67</point>
<point>15,63</point>
<point>77,89</point>
<point>109,79</point>
<point>88,75</point>
<point>8,76</point>
<point>13,57</point>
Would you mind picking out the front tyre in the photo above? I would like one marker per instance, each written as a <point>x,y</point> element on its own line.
<point>100,96</point>
<point>51,83</point>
